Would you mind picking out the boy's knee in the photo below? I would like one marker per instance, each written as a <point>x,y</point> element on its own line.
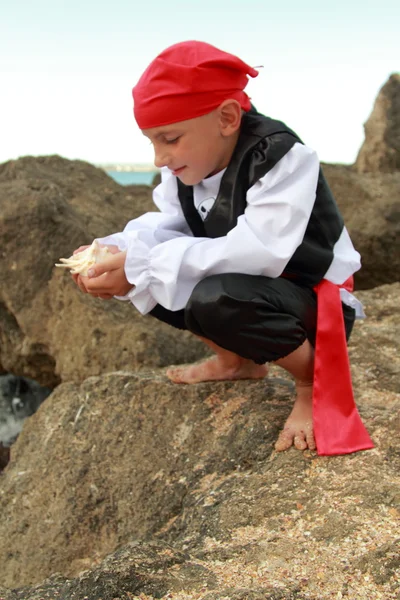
<point>207,304</point>
<point>205,294</point>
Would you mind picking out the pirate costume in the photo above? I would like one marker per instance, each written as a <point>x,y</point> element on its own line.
<point>255,258</point>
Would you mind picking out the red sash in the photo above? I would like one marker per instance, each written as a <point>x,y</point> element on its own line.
<point>338,428</point>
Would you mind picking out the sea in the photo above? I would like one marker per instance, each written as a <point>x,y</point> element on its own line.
<point>133,177</point>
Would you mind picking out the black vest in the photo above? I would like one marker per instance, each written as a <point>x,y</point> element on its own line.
<point>261,145</point>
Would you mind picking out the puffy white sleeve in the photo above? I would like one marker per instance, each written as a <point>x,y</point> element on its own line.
<point>266,236</point>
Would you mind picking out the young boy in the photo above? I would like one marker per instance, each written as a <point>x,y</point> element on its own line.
<point>247,240</point>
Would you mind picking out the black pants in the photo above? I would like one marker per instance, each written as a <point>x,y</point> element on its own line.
<point>256,317</point>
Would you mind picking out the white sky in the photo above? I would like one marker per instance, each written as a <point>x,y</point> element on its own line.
<point>67,68</point>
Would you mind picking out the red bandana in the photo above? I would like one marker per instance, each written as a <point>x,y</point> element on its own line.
<point>188,80</point>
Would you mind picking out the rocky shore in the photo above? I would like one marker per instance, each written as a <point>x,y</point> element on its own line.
<point>125,486</point>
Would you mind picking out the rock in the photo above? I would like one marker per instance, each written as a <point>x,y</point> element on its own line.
<point>380,152</point>
<point>49,331</point>
<point>383,563</point>
<point>155,569</point>
<point>128,486</point>
<point>370,205</point>
<point>156,179</point>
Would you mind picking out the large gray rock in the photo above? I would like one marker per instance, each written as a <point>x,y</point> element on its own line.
<point>380,152</point>
<point>156,490</point>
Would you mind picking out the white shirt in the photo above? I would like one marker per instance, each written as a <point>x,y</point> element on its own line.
<point>165,261</point>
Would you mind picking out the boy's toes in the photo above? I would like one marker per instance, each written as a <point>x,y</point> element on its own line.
<point>311,441</point>
<point>284,441</point>
<point>300,441</point>
<point>174,374</point>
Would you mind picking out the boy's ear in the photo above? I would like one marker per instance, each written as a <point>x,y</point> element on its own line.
<point>230,116</point>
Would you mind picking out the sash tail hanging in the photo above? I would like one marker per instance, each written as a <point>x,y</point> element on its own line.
<point>338,428</point>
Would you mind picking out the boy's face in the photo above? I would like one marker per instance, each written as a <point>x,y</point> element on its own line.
<point>193,149</point>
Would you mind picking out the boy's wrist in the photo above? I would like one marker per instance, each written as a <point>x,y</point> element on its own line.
<point>126,297</point>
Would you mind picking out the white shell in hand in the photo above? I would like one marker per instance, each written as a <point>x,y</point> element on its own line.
<point>82,261</point>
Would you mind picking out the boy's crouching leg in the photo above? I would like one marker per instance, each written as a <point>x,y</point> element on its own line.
<point>298,430</point>
<point>206,315</point>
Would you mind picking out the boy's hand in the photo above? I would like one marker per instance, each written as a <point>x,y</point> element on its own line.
<point>113,249</point>
<point>106,279</point>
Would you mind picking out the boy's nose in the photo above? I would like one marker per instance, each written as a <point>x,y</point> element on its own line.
<point>161,159</point>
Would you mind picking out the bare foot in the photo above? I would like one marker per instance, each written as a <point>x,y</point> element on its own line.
<point>298,429</point>
<point>216,369</point>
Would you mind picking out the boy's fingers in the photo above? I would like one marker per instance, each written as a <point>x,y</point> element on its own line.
<point>80,284</point>
<point>99,284</point>
<point>77,280</point>
<point>109,264</point>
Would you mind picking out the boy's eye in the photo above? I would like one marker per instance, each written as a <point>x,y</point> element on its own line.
<point>172,140</point>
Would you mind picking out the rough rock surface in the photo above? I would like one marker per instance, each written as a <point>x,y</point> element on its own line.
<point>380,152</point>
<point>370,205</point>
<point>48,330</point>
<point>156,179</point>
<point>128,486</point>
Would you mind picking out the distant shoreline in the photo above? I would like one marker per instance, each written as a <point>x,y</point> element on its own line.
<point>128,168</point>
<point>133,177</point>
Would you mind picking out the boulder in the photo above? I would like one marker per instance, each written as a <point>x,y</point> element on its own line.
<point>49,331</point>
<point>156,179</point>
<point>370,205</point>
<point>380,152</point>
<point>128,486</point>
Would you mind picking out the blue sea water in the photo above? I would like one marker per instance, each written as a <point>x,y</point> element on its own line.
<point>133,177</point>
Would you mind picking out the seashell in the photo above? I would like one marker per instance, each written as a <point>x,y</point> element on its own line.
<point>82,261</point>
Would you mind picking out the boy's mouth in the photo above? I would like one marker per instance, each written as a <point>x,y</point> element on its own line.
<point>177,171</point>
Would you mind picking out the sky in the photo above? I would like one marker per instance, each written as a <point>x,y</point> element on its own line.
<point>67,68</point>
